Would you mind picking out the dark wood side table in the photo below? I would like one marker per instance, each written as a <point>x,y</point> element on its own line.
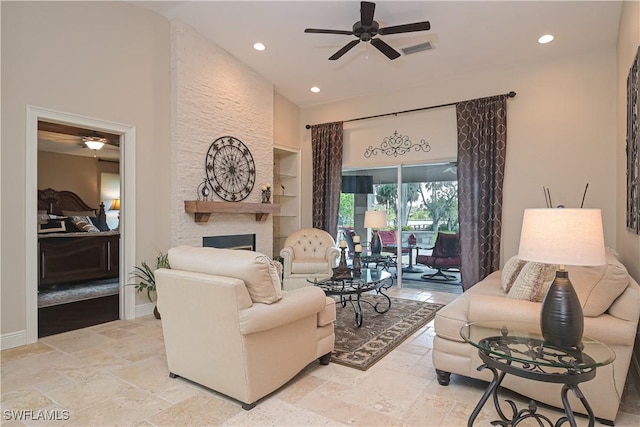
<point>526,355</point>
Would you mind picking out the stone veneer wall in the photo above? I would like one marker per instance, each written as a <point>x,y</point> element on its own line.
<point>214,95</point>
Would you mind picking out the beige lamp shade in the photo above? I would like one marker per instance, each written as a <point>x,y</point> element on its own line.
<point>562,236</point>
<point>375,219</point>
<point>115,205</point>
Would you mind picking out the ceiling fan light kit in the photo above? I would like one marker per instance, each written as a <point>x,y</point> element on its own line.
<point>94,142</point>
<point>367,29</point>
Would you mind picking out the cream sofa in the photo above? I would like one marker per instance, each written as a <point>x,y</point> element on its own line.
<point>228,326</point>
<point>611,305</point>
<point>306,253</point>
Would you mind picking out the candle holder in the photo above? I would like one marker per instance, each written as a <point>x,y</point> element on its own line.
<point>357,264</point>
<point>342,271</point>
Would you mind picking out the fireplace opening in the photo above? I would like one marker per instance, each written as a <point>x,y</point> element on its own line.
<point>236,241</point>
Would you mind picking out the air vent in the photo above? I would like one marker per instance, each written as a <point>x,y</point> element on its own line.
<point>417,48</point>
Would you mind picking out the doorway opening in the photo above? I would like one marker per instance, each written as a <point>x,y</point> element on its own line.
<point>78,228</point>
<point>124,256</point>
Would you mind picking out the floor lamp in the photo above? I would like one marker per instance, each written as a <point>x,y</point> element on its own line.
<point>375,220</point>
<point>564,237</point>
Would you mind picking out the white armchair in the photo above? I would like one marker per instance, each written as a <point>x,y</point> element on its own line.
<point>306,253</point>
<point>228,326</point>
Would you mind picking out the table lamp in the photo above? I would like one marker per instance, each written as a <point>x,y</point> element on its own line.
<point>375,220</point>
<point>115,206</point>
<point>564,237</point>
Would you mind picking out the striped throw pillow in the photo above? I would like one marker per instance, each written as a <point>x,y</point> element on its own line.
<point>83,223</point>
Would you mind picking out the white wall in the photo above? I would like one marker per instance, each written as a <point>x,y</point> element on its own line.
<point>628,42</point>
<point>286,119</point>
<point>107,60</point>
<point>561,133</point>
<point>215,95</point>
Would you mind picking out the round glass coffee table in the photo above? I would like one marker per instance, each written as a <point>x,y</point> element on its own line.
<point>512,348</point>
<point>351,290</point>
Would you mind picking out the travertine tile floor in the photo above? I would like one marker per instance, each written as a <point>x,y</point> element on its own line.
<point>115,374</point>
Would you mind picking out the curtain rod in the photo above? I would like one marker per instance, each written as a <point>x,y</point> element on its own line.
<point>510,95</point>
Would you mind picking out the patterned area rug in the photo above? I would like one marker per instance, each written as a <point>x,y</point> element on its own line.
<point>362,347</point>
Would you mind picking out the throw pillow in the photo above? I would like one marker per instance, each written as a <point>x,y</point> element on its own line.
<point>510,272</point>
<point>260,277</point>
<point>83,223</point>
<point>100,223</point>
<point>278,266</point>
<point>599,286</point>
<point>533,281</point>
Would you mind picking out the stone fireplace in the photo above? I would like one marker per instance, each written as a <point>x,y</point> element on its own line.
<point>208,105</point>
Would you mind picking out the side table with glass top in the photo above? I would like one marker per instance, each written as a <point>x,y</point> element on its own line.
<point>351,290</point>
<point>515,351</point>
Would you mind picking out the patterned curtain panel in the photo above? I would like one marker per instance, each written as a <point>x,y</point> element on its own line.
<point>482,143</point>
<point>326,145</point>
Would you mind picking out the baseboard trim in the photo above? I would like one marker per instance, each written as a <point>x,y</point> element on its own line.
<point>145,309</point>
<point>19,338</point>
<point>13,339</point>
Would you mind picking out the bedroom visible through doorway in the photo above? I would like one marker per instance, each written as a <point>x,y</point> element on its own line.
<point>78,227</point>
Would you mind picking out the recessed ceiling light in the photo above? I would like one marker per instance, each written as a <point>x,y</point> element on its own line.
<point>545,39</point>
<point>315,89</point>
<point>259,46</point>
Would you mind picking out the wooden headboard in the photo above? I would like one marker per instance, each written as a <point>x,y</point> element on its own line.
<point>54,202</point>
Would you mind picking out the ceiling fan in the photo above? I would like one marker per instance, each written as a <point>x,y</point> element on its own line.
<point>366,29</point>
<point>84,141</point>
<point>76,136</point>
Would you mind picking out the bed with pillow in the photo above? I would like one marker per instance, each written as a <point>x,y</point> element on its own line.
<point>610,300</point>
<point>74,242</point>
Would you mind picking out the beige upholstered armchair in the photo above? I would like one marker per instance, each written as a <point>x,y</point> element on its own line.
<point>306,253</point>
<point>228,325</point>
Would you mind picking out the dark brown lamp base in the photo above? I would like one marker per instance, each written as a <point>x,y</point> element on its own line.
<point>561,319</point>
<point>376,243</point>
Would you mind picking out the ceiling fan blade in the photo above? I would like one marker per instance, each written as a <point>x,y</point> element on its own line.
<point>388,51</point>
<point>406,28</point>
<point>366,13</point>
<point>320,31</point>
<point>344,50</point>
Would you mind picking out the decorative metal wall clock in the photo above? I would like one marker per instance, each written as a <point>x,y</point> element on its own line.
<point>230,169</point>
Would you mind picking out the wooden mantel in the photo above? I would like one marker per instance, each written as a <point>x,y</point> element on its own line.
<point>202,210</point>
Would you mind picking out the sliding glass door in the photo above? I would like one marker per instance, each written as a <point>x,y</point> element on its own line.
<point>419,200</point>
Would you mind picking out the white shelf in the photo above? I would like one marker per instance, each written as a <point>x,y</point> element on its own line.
<point>286,176</point>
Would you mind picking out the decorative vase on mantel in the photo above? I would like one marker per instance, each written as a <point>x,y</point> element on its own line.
<point>266,193</point>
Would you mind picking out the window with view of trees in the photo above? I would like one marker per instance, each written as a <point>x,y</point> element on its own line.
<point>431,206</point>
